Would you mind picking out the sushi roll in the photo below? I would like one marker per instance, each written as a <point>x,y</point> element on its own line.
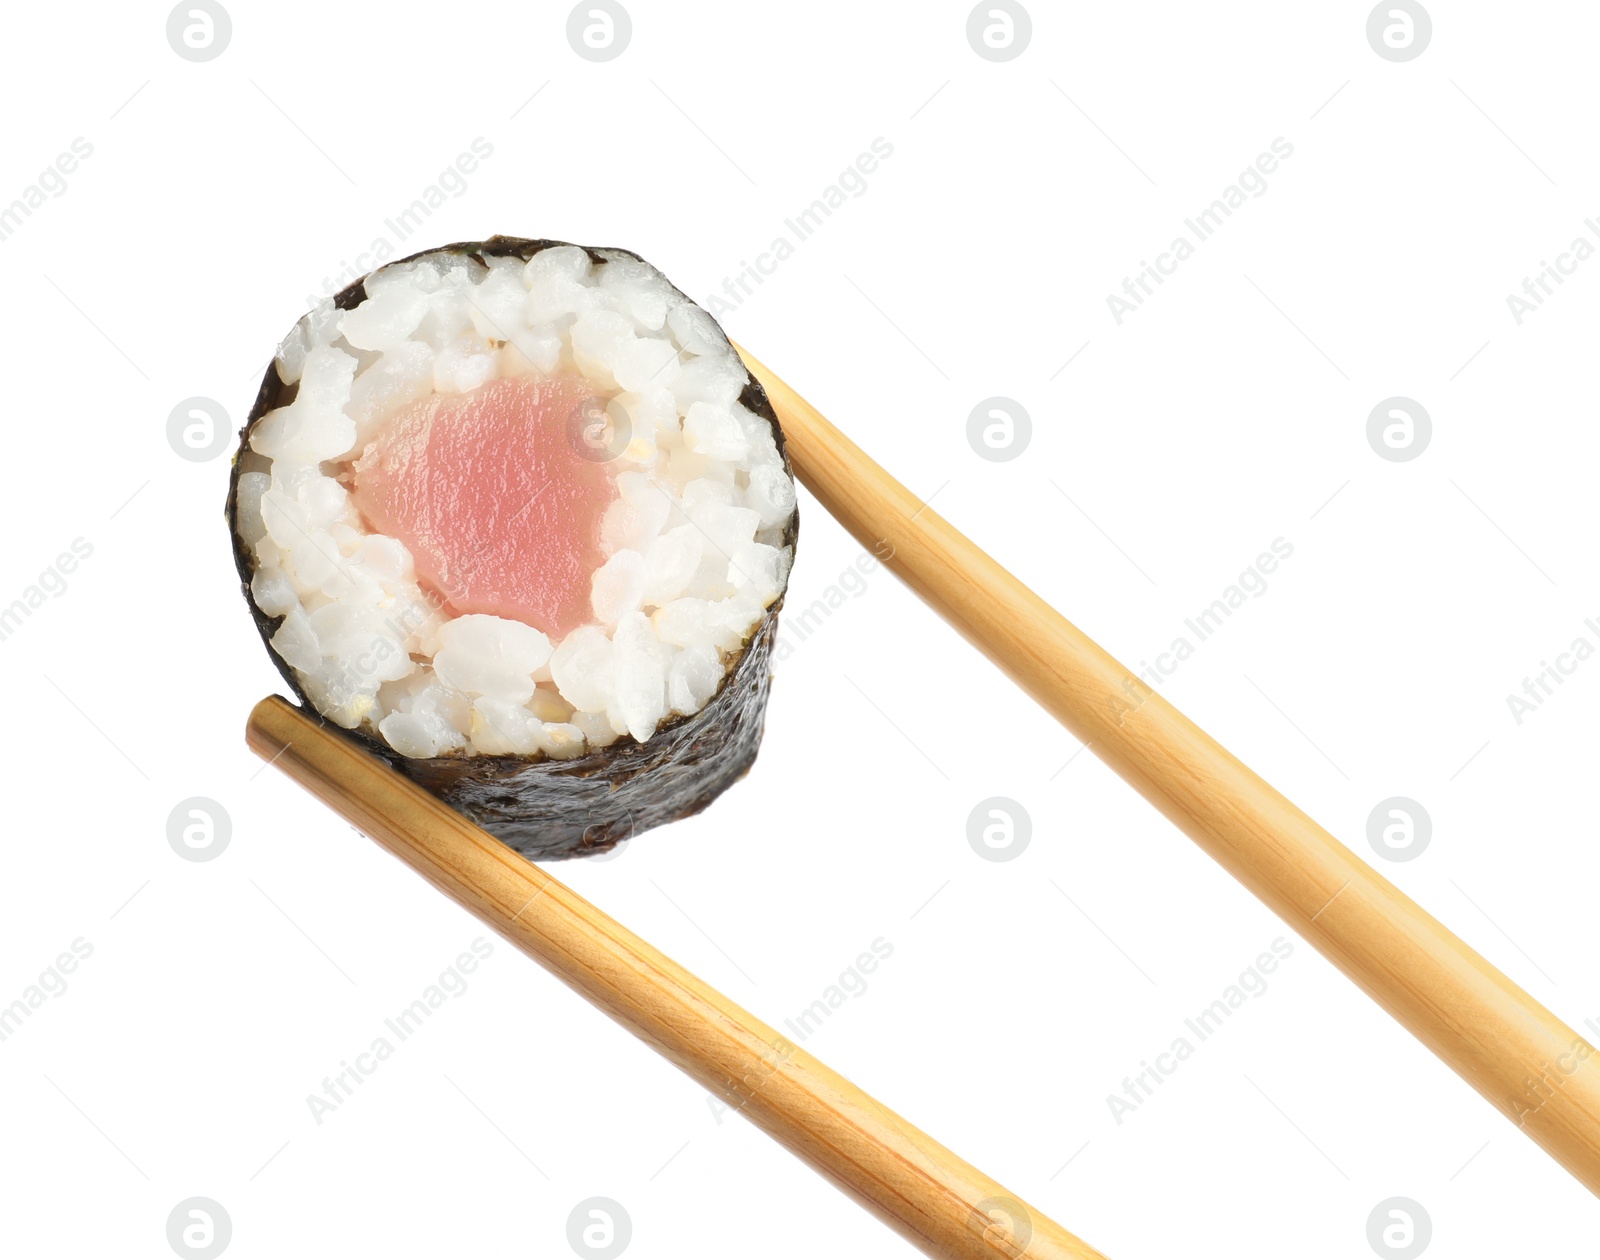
<point>514,515</point>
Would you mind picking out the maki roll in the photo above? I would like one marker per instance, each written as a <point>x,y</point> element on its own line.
<point>514,515</point>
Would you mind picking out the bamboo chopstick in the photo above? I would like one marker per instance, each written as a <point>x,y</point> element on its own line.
<point>1535,1069</point>
<point>936,1200</point>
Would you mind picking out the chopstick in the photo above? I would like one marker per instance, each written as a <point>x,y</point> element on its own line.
<point>933,1198</point>
<point>1531,1066</point>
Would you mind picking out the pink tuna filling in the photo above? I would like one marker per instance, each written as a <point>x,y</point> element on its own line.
<point>490,494</point>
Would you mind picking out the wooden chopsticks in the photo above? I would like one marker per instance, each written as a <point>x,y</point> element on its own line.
<point>936,1200</point>
<point>1519,1056</point>
<point>1540,1073</point>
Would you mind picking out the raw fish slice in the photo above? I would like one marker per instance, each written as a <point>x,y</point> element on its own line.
<point>489,493</point>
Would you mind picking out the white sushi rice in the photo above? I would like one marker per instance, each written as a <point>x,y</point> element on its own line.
<point>693,543</point>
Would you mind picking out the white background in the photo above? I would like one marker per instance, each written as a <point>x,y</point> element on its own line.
<point>1229,411</point>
